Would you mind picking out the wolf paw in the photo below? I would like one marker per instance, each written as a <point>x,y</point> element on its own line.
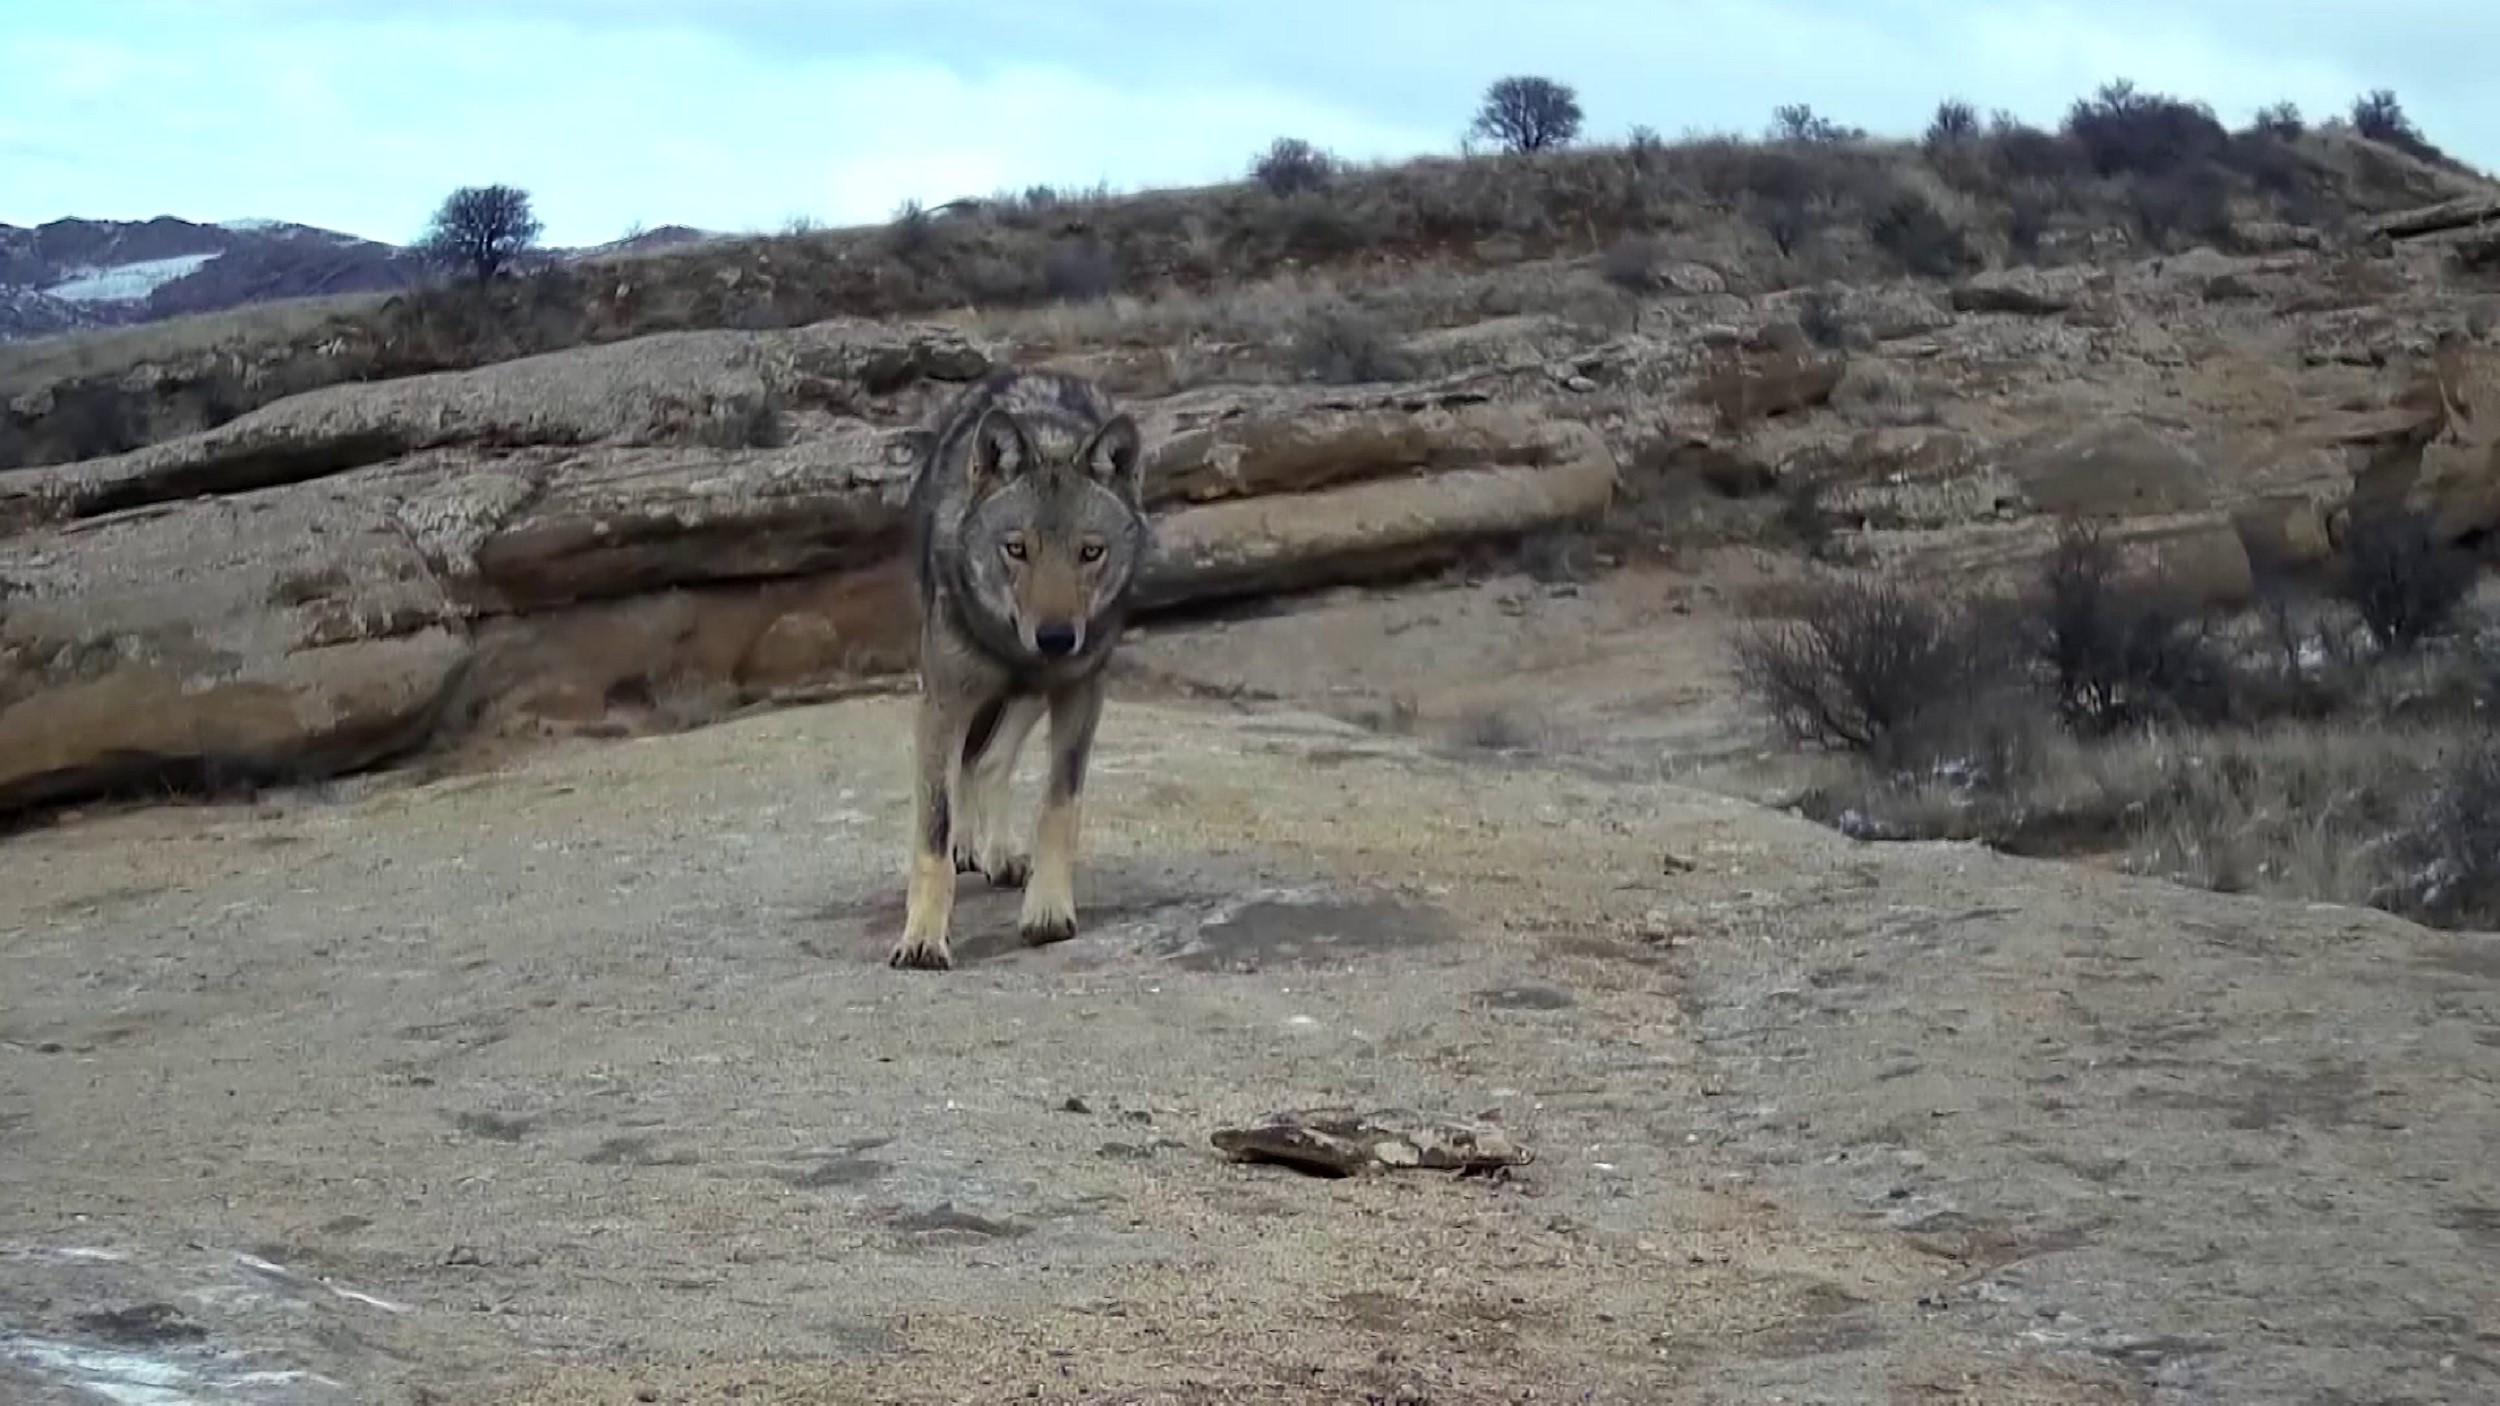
<point>1039,928</point>
<point>921,954</point>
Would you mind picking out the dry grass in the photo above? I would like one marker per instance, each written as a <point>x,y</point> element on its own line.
<point>41,361</point>
<point>2282,751</point>
<point>2337,812</point>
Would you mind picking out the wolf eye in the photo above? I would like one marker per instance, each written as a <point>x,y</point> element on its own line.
<point>1013,547</point>
<point>1091,551</point>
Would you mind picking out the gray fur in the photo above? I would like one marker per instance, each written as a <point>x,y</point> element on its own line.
<point>1028,530</point>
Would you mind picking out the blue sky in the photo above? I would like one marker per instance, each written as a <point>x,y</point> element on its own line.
<point>741,114</point>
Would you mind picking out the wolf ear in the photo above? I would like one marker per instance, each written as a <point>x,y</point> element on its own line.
<point>1000,449</point>
<point>1115,457</point>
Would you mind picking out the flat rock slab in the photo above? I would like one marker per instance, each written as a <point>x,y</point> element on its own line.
<point>593,1067</point>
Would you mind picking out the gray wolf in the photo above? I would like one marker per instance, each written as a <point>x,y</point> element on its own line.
<point>1028,523</point>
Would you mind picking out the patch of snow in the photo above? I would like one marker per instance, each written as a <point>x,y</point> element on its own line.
<point>127,283</point>
<point>251,226</point>
<point>128,1378</point>
<point>140,1379</point>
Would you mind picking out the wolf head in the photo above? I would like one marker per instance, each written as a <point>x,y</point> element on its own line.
<point>1055,530</point>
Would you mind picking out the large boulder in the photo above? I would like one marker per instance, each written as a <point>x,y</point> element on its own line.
<point>269,635</point>
<point>2110,468</point>
<point>2198,555</point>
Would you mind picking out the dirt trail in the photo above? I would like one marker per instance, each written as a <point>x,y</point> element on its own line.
<point>584,1081</point>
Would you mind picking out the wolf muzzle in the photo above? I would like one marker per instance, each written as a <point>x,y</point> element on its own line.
<point>1057,639</point>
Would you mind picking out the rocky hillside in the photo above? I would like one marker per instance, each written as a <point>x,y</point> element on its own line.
<point>1758,217</point>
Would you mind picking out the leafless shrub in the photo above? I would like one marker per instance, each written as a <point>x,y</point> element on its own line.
<point>1496,729</point>
<point>2378,116</point>
<point>2124,132</point>
<point>2281,121</point>
<point>2452,852</point>
<point>1909,227</point>
<point>2117,651</point>
<point>1293,166</point>
<point>2407,583</point>
<point>1819,316</point>
<point>1630,263</point>
<point>1797,122</point>
<point>1855,666</point>
<point>1956,123</point>
<point>1080,271</point>
<point>2194,202</point>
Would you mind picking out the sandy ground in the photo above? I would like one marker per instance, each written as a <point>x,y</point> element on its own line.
<point>583,1080</point>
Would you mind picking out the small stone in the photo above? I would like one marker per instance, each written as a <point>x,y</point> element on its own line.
<point>1075,1105</point>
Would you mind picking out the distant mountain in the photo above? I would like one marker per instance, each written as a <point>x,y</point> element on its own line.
<point>72,275</point>
<point>75,274</point>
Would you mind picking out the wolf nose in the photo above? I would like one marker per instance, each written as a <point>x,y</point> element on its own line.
<point>1055,640</point>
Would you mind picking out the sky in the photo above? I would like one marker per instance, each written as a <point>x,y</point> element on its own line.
<point>736,115</point>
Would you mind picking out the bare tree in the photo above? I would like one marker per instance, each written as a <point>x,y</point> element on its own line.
<point>481,230</point>
<point>1529,114</point>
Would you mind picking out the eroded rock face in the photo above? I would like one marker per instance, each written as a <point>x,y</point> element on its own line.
<point>560,554</point>
<point>156,722</point>
<point>722,390</point>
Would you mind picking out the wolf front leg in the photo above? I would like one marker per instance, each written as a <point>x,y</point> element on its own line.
<point>1050,895</point>
<point>985,833</point>
<point>929,902</point>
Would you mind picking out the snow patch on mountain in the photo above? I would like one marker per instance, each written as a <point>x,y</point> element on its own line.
<point>127,283</point>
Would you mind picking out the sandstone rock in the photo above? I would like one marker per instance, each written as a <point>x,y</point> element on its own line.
<point>1889,313</point>
<point>1912,452</point>
<point>2201,265</point>
<point>2276,237</point>
<point>611,523</point>
<point>1523,339</point>
<point>307,627</point>
<point>249,637</point>
<point>2444,460</point>
<point>720,389</point>
<point>1691,279</point>
<point>2230,288</point>
<point>300,716</point>
<point>794,648</point>
<point>2197,554</point>
<point>2459,485</point>
<point>1293,541</point>
<point>2110,468</point>
<point>1235,444</point>
<point>2024,290</point>
<point>2284,531</point>
<point>1744,389</point>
